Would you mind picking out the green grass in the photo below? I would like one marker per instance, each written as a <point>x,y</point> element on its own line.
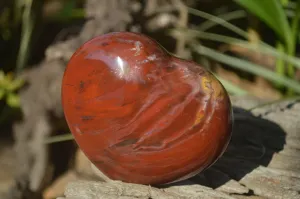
<point>280,16</point>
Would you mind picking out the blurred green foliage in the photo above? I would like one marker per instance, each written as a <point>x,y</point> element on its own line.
<point>273,13</point>
<point>8,88</point>
<point>20,24</point>
<point>20,20</point>
<point>281,16</point>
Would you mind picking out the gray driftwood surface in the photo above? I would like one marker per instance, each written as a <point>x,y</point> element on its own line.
<point>262,161</point>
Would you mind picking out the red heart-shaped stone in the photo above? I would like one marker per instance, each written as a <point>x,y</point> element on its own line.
<point>141,115</point>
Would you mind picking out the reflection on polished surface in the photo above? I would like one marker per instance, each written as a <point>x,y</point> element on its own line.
<point>141,115</point>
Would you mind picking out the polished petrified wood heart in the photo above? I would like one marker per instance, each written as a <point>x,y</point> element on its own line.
<point>141,115</point>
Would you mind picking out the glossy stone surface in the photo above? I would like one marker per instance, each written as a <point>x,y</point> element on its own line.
<point>141,115</point>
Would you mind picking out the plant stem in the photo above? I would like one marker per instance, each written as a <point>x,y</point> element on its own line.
<point>226,17</point>
<point>27,29</point>
<point>280,64</point>
<point>31,15</point>
<point>220,21</point>
<point>59,138</point>
<point>292,47</point>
